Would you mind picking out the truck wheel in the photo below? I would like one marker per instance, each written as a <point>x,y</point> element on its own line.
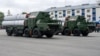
<point>62,33</point>
<point>49,34</point>
<point>9,33</point>
<point>15,33</point>
<point>76,32</point>
<point>26,33</point>
<point>67,32</point>
<point>84,33</point>
<point>36,33</point>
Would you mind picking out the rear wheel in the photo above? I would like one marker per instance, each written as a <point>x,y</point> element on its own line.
<point>15,33</point>
<point>67,32</point>
<point>9,32</point>
<point>84,33</point>
<point>36,33</point>
<point>49,34</point>
<point>62,33</point>
<point>76,32</point>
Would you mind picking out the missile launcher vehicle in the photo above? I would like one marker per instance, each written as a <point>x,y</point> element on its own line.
<point>77,25</point>
<point>34,24</point>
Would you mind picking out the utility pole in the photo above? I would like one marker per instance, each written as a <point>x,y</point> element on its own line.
<point>9,14</point>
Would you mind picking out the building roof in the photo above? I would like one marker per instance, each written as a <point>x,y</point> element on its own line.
<point>83,6</point>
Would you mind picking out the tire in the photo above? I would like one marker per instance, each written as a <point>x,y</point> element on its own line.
<point>67,32</point>
<point>26,33</point>
<point>36,33</point>
<point>62,33</point>
<point>15,33</point>
<point>76,32</point>
<point>20,33</point>
<point>49,34</point>
<point>84,33</point>
<point>9,32</point>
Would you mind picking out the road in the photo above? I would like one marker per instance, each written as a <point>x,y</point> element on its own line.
<point>57,46</point>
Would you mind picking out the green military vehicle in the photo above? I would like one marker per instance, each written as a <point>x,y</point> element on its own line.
<point>77,25</point>
<point>34,24</point>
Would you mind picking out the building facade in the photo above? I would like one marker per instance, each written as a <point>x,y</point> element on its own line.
<point>90,11</point>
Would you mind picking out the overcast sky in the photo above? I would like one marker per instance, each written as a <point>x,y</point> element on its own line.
<point>18,6</point>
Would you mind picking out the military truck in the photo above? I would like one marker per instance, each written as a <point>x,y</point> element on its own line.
<point>34,24</point>
<point>76,25</point>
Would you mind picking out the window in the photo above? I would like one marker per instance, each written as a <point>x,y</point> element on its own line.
<point>60,12</point>
<point>83,10</point>
<point>64,15</point>
<point>78,11</point>
<point>73,12</point>
<point>83,14</point>
<point>64,11</point>
<point>94,13</point>
<point>93,9</point>
<point>56,15</point>
<point>94,18</point>
<point>51,13</point>
<point>88,10</point>
<point>55,11</point>
<point>68,12</point>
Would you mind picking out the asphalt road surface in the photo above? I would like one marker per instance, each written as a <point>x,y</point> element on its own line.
<point>57,46</point>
